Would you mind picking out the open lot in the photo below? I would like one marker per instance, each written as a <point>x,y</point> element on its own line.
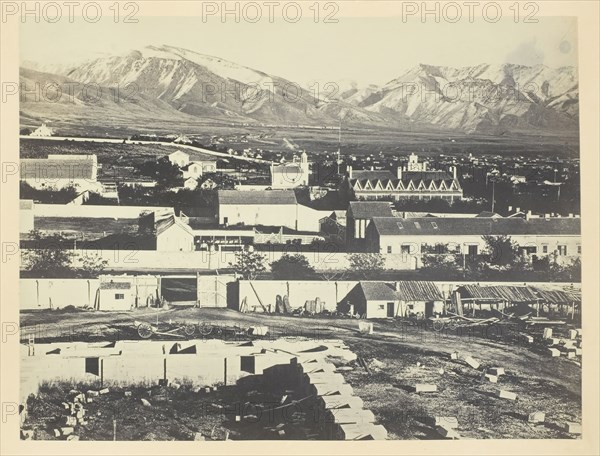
<point>398,357</point>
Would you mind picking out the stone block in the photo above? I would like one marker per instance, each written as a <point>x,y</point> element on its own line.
<point>572,428</point>
<point>448,422</point>
<point>492,378</point>
<point>503,394</point>
<point>536,417</point>
<point>547,333</point>
<point>472,362</point>
<point>497,371</point>
<point>447,433</point>
<point>425,388</point>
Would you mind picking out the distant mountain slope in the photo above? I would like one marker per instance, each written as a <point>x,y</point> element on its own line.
<point>165,82</point>
<point>481,98</point>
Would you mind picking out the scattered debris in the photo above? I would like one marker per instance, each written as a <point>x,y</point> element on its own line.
<point>554,352</point>
<point>448,433</point>
<point>547,333</point>
<point>497,371</point>
<point>472,362</point>
<point>127,394</point>
<point>449,422</point>
<point>146,403</point>
<point>425,388</point>
<point>492,378</point>
<point>104,391</point>
<point>572,428</point>
<point>454,355</point>
<point>503,394</point>
<point>536,417</point>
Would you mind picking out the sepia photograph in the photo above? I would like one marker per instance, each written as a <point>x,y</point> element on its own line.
<point>299,221</point>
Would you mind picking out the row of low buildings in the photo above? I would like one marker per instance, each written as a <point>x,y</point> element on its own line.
<point>369,299</point>
<point>276,217</point>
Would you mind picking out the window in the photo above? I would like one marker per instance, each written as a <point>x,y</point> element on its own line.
<point>434,225</point>
<point>418,225</point>
<point>579,249</point>
<point>562,250</point>
<point>389,249</point>
<point>400,226</point>
<point>545,248</point>
<point>381,306</point>
<point>405,249</point>
<point>225,220</point>
<point>92,366</point>
<point>119,296</point>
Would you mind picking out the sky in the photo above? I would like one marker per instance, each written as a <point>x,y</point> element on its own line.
<point>366,50</point>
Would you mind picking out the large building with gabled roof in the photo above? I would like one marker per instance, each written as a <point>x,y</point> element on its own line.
<point>559,236</point>
<point>411,181</point>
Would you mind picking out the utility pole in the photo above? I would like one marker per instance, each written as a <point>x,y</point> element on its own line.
<point>493,193</point>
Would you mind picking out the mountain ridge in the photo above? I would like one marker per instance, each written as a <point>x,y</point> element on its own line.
<point>484,98</point>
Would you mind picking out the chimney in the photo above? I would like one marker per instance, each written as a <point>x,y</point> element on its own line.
<point>349,171</point>
<point>570,215</point>
<point>454,171</point>
<point>546,216</point>
<point>424,166</point>
<point>528,215</point>
<point>509,209</point>
<point>399,172</point>
<point>518,209</point>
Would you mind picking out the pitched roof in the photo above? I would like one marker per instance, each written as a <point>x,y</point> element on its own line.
<point>412,290</point>
<point>52,168</point>
<point>498,293</point>
<point>369,209</point>
<point>424,226</point>
<point>418,290</point>
<point>371,174</point>
<point>268,197</point>
<point>378,291</point>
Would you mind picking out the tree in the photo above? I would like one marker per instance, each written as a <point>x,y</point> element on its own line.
<point>91,266</point>
<point>48,257</point>
<point>501,250</point>
<point>167,174</point>
<point>249,264</point>
<point>292,267</point>
<point>367,264</point>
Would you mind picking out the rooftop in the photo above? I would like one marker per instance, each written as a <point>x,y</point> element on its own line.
<point>267,197</point>
<point>57,168</point>
<point>426,226</point>
<point>370,209</point>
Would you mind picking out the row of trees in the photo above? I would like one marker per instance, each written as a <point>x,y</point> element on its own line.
<point>296,266</point>
<point>500,260</point>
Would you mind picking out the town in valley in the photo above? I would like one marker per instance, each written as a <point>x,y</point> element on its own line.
<point>363,268</point>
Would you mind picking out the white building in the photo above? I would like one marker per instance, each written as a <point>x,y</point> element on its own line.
<point>42,131</point>
<point>171,233</point>
<point>196,169</point>
<point>61,171</point>
<point>560,236</point>
<point>412,181</point>
<point>291,175</point>
<point>179,158</point>
<point>268,208</point>
<point>191,183</point>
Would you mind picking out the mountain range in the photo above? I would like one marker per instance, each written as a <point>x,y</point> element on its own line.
<point>169,83</point>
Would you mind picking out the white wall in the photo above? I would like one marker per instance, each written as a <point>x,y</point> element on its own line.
<point>264,214</point>
<point>175,239</point>
<point>414,242</point>
<point>93,211</point>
